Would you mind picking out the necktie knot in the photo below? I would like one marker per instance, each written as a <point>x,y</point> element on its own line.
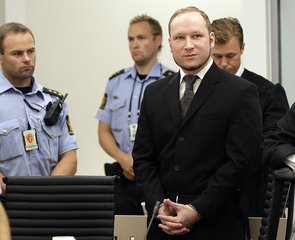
<point>189,81</point>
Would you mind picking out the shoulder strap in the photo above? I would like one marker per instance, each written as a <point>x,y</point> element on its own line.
<point>117,73</point>
<point>168,73</point>
<point>52,92</point>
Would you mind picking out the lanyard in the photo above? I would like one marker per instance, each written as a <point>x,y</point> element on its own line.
<point>140,95</point>
<point>139,98</point>
<point>30,106</point>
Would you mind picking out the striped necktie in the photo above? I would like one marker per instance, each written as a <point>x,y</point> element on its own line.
<point>188,93</point>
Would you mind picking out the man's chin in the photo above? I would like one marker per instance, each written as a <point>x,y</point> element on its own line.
<point>229,71</point>
<point>26,76</point>
<point>28,73</point>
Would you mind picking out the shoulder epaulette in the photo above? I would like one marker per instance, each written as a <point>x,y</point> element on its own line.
<point>52,92</point>
<point>168,73</point>
<point>117,73</point>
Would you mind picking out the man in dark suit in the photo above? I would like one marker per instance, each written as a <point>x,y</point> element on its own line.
<point>280,146</point>
<point>195,164</point>
<point>227,54</point>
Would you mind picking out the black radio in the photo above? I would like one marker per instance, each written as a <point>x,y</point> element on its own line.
<point>53,110</point>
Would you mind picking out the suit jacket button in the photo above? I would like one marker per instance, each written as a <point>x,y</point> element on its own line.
<point>180,139</point>
<point>176,167</point>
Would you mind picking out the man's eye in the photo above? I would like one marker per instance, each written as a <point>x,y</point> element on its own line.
<point>31,51</point>
<point>17,53</point>
<point>178,37</point>
<point>141,37</point>
<point>196,36</point>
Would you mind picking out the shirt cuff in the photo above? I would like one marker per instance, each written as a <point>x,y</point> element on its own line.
<point>290,161</point>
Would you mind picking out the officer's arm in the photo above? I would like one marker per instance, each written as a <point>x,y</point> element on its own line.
<point>108,143</point>
<point>4,223</point>
<point>67,164</point>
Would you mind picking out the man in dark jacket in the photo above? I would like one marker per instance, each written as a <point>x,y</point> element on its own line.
<point>227,54</point>
<point>193,158</point>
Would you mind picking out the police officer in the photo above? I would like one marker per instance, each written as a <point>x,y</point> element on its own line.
<point>119,110</point>
<point>28,146</point>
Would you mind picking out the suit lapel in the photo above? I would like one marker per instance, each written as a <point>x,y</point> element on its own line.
<point>171,93</point>
<point>206,88</point>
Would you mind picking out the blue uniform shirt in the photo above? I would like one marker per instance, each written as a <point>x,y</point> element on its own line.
<point>19,113</point>
<point>121,103</point>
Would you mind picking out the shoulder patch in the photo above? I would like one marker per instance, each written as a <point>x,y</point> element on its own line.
<point>117,73</point>
<point>69,125</point>
<point>103,101</point>
<point>52,92</point>
<point>168,73</point>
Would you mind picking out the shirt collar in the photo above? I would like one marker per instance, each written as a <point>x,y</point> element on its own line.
<point>6,85</point>
<point>200,74</point>
<point>240,71</point>
<point>155,72</point>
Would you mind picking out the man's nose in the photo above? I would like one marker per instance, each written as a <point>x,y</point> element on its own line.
<point>26,57</point>
<point>188,43</point>
<point>223,62</point>
<point>134,43</point>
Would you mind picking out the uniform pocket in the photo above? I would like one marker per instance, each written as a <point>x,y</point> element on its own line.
<point>11,141</point>
<point>49,141</point>
<point>119,114</point>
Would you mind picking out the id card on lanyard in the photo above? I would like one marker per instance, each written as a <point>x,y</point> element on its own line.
<point>30,139</point>
<point>132,131</point>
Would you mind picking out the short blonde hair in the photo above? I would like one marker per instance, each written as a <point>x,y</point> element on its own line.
<point>190,9</point>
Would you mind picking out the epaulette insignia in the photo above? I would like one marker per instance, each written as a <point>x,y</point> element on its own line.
<point>103,101</point>
<point>168,73</point>
<point>117,73</point>
<point>52,92</point>
<point>69,125</point>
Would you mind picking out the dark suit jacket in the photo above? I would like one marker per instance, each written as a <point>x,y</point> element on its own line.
<point>282,143</point>
<point>273,100</point>
<point>274,105</point>
<point>204,158</point>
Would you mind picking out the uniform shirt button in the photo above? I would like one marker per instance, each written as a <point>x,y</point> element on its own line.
<point>176,167</point>
<point>180,139</point>
<point>4,131</point>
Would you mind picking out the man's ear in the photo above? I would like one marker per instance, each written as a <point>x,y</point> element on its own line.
<point>159,40</point>
<point>212,39</point>
<point>169,40</point>
<point>242,48</point>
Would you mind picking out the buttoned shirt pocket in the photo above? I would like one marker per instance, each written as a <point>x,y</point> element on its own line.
<point>49,141</point>
<point>11,141</point>
<point>119,114</point>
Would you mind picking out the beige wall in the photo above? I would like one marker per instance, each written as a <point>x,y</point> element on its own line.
<point>2,11</point>
<point>80,43</point>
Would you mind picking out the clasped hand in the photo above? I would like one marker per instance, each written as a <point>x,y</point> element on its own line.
<point>176,219</point>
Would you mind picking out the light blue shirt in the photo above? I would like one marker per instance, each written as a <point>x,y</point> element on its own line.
<point>18,113</point>
<point>117,111</point>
